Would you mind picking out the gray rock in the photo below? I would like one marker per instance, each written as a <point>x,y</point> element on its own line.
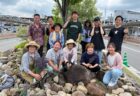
<point>62,93</point>
<point>94,89</point>
<point>78,93</point>
<point>56,79</point>
<point>55,87</point>
<point>82,89</point>
<point>125,87</point>
<point>132,89</point>
<point>118,91</point>
<point>125,94</point>
<point>68,87</point>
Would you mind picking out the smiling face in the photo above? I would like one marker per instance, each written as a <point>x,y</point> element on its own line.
<point>118,21</point>
<point>36,19</point>
<point>50,21</point>
<point>90,50</point>
<point>57,46</point>
<point>57,28</point>
<point>74,16</point>
<point>111,49</point>
<point>32,49</point>
<point>70,46</point>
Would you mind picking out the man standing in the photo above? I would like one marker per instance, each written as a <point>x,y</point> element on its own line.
<point>37,32</point>
<point>74,27</point>
<point>117,33</point>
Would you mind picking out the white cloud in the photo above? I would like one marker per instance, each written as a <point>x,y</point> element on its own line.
<point>27,7</point>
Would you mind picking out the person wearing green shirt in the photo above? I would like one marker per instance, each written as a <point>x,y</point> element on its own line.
<point>73,26</point>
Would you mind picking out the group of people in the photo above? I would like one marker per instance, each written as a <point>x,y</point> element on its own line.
<point>62,55</point>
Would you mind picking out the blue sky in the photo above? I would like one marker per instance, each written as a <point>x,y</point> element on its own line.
<point>25,8</point>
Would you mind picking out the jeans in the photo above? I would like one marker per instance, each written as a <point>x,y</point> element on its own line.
<point>112,76</point>
<point>100,55</point>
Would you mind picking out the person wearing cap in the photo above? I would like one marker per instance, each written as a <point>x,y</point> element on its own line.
<point>86,38</point>
<point>97,37</point>
<point>36,33</point>
<point>70,53</point>
<point>90,59</point>
<point>55,58</point>
<point>73,26</point>
<point>56,35</point>
<point>30,63</point>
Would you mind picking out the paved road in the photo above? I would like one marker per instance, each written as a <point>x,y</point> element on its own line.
<point>133,55</point>
<point>7,44</point>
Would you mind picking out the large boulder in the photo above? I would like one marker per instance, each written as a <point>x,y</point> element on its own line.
<point>95,89</point>
<point>78,73</point>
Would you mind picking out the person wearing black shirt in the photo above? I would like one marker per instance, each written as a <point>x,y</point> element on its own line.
<point>90,59</point>
<point>117,33</point>
<point>97,37</point>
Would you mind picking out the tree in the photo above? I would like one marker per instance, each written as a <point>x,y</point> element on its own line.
<point>63,6</point>
<point>86,9</point>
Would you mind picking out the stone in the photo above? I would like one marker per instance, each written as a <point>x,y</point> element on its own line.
<point>13,91</point>
<point>47,86</point>
<point>82,89</point>
<point>81,83</point>
<point>74,88</point>
<point>118,91</point>
<point>68,87</point>
<point>125,87</point>
<point>56,79</point>
<point>100,75</point>
<point>93,81</point>
<point>68,94</point>
<point>108,94</point>
<point>120,83</point>
<point>125,94</point>
<point>95,89</point>
<point>3,94</point>
<point>55,87</point>
<point>132,89</point>
<point>62,93</point>
<point>32,93</point>
<point>78,93</point>
<point>41,93</point>
<point>78,73</point>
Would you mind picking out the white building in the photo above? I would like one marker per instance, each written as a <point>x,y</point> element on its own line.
<point>128,15</point>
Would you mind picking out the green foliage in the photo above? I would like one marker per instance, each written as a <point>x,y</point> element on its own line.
<point>22,32</point>
<point>86,9</point>
<point>57,15</point>
<point>21,45</point>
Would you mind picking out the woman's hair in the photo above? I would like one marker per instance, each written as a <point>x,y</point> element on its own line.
<point>89,45</point>
<point>50,17</point>
<point>57,42</point>
<point>87,21</point>
<point>111,44</point>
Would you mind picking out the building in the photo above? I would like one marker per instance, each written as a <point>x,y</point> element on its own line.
<point>128,15</point>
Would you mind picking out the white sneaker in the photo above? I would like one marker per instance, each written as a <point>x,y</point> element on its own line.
<point>111,84</point>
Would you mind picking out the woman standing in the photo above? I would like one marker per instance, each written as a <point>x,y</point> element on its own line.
<point>114,61</point>
<point>97,37</point>
<point>86,38</point>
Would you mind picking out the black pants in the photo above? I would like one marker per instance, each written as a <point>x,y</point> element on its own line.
<point>96,69</point>
<point>40,50</point>
<point>83,46</point>
<point>48,46</point>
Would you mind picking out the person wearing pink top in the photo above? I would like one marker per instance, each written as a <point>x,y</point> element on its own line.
<point>114,65</point>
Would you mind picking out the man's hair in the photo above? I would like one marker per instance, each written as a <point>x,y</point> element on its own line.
<point>74,12</point>
<point>36,15</point>
<point>119,16</point>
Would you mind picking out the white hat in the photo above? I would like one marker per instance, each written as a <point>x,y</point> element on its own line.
<point>70,41</point>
